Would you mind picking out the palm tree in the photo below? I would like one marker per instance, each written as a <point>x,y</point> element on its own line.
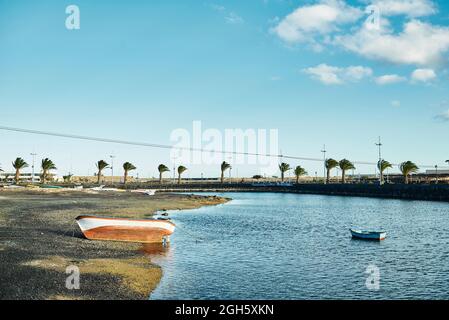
<point>19,164</point>
<point>181,170</point>
<point>101,165</point>
<point>224,166</point>
<point>127,166</point>
<point>284,167</point>
<point>383,165</point>
<point>68,177</point>
<point>330,164</point>
<point>46,166</point>
<point>299,171</point>
<point>408,168</point>
<point>344,166</point>
<point>162,168</point>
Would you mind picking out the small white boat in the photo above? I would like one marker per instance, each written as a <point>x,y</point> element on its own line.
<point>148,192</point>
<point>102,188</point>
<point>368,235</point>
<point>13,186</point>
<point>121,229</point>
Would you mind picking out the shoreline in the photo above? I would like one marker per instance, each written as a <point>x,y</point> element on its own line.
<point>39,239</point>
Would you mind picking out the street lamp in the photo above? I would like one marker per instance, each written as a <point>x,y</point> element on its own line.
<point>32,167</point>
<point>324,163</point>
<point>436,173</point>
<point>112,168</point>
<point>379,144</point>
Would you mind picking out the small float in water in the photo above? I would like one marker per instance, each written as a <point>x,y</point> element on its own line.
<point>368,235</point>
<point>129,230</point>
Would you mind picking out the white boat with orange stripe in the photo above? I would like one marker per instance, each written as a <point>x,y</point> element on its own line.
<point>130,230</point>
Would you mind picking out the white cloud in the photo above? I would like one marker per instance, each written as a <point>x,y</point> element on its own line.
<point>357,72</point>
<point>443,116</point>
<point>396,103</point>
<point>332,75</point>
<point>321,18</point>
<point>419,43</point>
<point>389,79</point>
<point>410,8</point>
<point>423,75</point>
<point>229,16</point>
<point>233,18</point>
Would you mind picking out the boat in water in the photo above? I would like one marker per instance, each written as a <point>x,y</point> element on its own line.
<point>129,230</point>
<point>368,235</point>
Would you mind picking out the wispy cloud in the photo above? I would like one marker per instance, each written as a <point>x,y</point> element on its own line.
<point>233,18</point>
<point>443,116</point>
<point>396,103</point>
<point>229,16</point>
<point>331,75</point>
<point>389,79</point>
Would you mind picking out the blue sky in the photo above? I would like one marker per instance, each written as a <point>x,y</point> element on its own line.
<point>137,70</point>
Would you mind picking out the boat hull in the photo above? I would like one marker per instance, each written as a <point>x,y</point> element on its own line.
<point>128,230</point>
<point>366,235</point>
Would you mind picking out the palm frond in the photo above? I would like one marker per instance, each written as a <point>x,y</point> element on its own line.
<point>162,168</point>
<point>19,163</point>
<point>128,166</point>
<point>345,164</point>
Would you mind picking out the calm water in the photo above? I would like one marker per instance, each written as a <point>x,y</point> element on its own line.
<point>287,246</point>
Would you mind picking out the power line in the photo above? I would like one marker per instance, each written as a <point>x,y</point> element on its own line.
<point>164,146</point>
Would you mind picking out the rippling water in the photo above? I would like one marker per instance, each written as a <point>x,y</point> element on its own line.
<point>289,246</point>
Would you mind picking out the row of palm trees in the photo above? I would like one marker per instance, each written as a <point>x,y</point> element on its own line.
<point>406,168</point>
<point>46,166</point>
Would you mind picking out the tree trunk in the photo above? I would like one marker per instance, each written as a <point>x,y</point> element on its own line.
<point>98,176</point>
<point>125,177</point>
<point>179,178</point>
<point>44,176</point>
<point>297,179</point>
<point>17,176</point>
<point>406,178</point>
<point>381,177</point>
<point>222,176</point>
<point>160,177</point>
<point>328,175</point>
<point>282,176</point>
<point>343,172</point>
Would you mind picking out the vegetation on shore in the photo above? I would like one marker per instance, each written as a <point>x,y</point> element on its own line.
<point>406,168</point>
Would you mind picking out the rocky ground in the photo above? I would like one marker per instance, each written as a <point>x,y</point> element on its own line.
<point>39,239</point>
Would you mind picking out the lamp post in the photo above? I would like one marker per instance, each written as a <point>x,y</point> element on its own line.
<point>112,168</point>
<point>324,163</point>
<point>32,167</point>
<point>436,173</point>
<point>379,144</point>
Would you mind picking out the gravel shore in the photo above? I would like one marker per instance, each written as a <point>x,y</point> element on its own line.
<point>39,239</point>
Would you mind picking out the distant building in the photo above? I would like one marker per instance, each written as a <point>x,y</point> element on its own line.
<point>24,177</point>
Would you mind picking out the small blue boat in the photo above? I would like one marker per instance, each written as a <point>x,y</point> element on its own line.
<point>368,235</point>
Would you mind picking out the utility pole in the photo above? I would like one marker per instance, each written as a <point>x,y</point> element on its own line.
<point>32,167</point>
<point>112,168</point>
<point>379,144</point>
<point>324,163</point>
